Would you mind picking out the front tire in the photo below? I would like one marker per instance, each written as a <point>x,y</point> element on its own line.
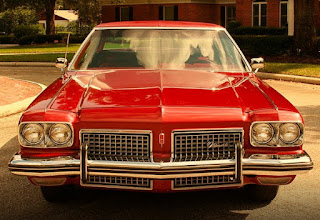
<point>264,194</point>
<point>56,194</point>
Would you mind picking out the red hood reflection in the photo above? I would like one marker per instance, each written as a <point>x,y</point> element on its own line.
<point>125,88</point>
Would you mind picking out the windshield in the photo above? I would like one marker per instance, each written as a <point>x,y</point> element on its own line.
<point>208,50</point>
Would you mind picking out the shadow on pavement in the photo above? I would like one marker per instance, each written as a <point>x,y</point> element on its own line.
<point>20,199</point>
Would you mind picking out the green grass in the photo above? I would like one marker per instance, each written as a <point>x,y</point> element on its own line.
<point>299,69</point>
<point>34,57</point>
<point>42,48</point>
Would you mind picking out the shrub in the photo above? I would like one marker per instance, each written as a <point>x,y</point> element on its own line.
<point>8,40</point>
<point>12,18</point>
<point>74,39</point>
<point>27,30</point>
<point>40,39</point>
<point>27,40</point>
<point>258,31</point>
<point>52,38</point>
<point>255,46</point>
<point>233,25</point>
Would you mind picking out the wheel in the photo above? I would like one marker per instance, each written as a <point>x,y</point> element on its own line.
<point>56,194</point>
<point>260,193</point>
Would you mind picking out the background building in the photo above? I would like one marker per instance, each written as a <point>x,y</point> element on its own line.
<point>62,18</point>
<point>268,13</point>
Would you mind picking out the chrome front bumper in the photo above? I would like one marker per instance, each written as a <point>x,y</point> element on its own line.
<point>67,166</point>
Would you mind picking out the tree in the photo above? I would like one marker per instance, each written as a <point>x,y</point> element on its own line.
<point>12,18</point>
<point>305,36</point>
<point>89,11</point>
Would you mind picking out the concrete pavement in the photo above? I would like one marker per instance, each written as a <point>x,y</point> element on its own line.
<point>16,95</point>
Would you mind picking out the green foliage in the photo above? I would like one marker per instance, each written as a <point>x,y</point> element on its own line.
<point>12,18</point>
<point>233,25</point>
<point>75,39</point>
<point>26,40</point>
<point>27,30</point>
<point>8,40</point>
<point>257,31</point>
<point>256,46</point>
<point>89,11</point>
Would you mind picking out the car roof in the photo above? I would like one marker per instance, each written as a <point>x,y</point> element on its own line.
<point>173,24</point>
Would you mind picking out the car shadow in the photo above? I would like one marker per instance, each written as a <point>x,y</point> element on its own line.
<point>93,203</point>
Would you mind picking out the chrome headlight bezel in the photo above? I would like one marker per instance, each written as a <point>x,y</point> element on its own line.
<point>295,139</point>
<point>271,130</point>
<point>46,142</point>
<point>56,142</point>
<point>276,141</point>
<point>22,133</point>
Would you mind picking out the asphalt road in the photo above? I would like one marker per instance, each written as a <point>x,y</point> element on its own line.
<point>300,200</point>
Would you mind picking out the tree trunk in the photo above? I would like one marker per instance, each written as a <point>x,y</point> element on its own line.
<point>50,27</point>
<point>305,37</point>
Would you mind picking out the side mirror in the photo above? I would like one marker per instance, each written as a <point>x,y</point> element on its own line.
<point>257,63</point>
<point>61,63</point>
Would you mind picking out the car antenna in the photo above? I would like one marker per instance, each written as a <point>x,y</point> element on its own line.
<point>66,54</point>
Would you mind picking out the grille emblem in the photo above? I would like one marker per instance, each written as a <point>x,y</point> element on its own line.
<point>211,144</point>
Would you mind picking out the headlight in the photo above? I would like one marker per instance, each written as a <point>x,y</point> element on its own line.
<point>33,133</point>
<point>60,133</point>
<point>289,132</point>
<point>262,133</point>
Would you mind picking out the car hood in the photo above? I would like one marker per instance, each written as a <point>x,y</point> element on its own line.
<point>158,88</point>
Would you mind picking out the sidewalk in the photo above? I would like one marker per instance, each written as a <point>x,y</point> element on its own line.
<point>16,95</point>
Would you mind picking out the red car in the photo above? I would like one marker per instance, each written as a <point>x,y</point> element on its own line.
<point>160,106</point>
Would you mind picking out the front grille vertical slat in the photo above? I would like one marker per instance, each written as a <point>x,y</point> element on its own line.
<point>108,146</point>
<point>205,145</point>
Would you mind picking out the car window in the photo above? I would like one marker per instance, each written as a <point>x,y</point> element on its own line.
<point>209,50</point>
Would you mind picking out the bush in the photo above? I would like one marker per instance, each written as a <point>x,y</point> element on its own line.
<point>40,39</point>
<point>27,40</point>
<point>8,40</point>
<point>258,31</point>
<point>74,39</point>
<point>27,30</point>
<point>52,38</point>
<point>233,25</point>
<point>256,46</point>
<point>12,18</point>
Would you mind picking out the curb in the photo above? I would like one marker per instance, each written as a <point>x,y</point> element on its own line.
<point>19,106</point>
<point>292,78</point>
<point>27,64</point>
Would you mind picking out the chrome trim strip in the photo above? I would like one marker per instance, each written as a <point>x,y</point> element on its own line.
<point>160,177</point>
<point>68,166</point>
<point>118,187</point>
<point>226,185</point>
<point>265,94</point>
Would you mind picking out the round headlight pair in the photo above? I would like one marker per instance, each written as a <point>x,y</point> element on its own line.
<point>264,132</point>
<point>58,133</point>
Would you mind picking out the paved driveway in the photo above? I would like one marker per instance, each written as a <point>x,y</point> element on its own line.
<point>299,200</point>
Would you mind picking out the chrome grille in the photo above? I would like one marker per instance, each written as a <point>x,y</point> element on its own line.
<point>205,145</point>
<point>118,146</point>
<point>204,181</point>
<point>119,181</point>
